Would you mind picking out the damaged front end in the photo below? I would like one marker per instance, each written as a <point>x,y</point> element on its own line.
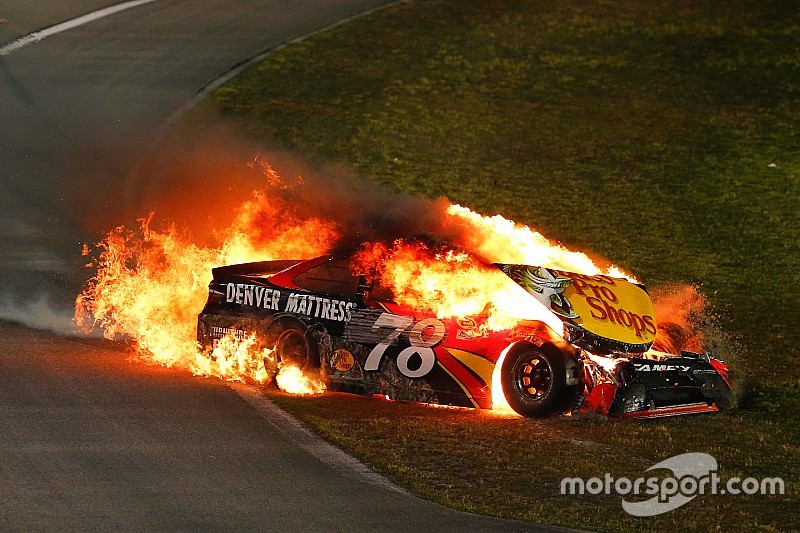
<point>612,322</point>
<point>638,387</point>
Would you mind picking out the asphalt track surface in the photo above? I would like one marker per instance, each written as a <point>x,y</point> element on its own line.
<point>79,110</point>
<point>90,440</point>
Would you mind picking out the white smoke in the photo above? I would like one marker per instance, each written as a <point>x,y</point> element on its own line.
<point>40,313</point>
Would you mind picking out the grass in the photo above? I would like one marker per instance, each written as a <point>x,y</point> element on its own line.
<point>663,135</point>
<point>512,467</point>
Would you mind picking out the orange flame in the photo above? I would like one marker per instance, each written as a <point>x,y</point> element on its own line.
<point>504,241</point>
<point>232,359</point>
<point>150,285</point>
<point>499,402</point>
<point>677,309</point>
<point>449,283</point>
<point>292,380</point>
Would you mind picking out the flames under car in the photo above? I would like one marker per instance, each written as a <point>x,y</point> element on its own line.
<point>594,354</point>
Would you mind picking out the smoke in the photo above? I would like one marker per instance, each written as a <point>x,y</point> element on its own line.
<point>41,313</point>
<point>360,209</point>
<point>68,198</point>
<point>194,178</point>
<point>367,212</point>
<point>198,179</point>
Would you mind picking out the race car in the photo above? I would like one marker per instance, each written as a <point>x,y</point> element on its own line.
<point>596,356</point>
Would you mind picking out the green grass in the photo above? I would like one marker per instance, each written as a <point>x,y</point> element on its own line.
<point>662,135</point>
<point>512,467</point>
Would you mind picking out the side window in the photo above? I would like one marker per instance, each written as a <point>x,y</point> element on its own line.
<point>333,277</point>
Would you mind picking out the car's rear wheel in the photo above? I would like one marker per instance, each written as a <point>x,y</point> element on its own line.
<point>293,345</point>
<point>293,348</point>
<point>535,382</point>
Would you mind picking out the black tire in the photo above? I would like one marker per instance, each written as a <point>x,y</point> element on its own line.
<point>535,382</point>
<point>293,345</point>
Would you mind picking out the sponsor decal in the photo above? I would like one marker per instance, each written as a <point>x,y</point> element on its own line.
<point>608,307</point>
<point>546,285</point>
<point>617,305</point>
<point>385,329</point>
<point>319,307</point>
<point>343,360</point>
<point>217,332</point>
<point>645,367</point>
<point>252,295</point>
<point>466,335</point>
<point>468,329</point>
<point>298,303</point>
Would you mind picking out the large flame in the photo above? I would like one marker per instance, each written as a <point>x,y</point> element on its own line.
<point>151,284</point>
<point>449,283</point>
<point>504,241</point>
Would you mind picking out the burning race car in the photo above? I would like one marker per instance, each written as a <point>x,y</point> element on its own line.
<point>547,341</point>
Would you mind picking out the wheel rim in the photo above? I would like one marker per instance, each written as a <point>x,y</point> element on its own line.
<point>292,347</point>
<point>533,377</point>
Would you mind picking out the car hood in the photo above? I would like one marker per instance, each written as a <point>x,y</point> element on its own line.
<point>600,313</point>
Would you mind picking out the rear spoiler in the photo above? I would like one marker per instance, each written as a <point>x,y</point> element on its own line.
<point>258,267</point>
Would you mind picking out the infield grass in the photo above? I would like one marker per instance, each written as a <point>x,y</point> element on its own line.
<point>662,135</point>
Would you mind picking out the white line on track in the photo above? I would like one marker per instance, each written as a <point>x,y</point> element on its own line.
<point>300,434</point>
<point>36,36</point>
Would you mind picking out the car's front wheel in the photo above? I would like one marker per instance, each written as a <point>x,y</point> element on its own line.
<point>535,382</point>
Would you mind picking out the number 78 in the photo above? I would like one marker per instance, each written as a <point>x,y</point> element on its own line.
<point>423,336</point>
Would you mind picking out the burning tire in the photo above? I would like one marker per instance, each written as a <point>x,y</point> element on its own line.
<point>535,382</point>
<point>292,345</point>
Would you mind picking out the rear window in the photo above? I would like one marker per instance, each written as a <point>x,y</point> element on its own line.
<point>333,277</point>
